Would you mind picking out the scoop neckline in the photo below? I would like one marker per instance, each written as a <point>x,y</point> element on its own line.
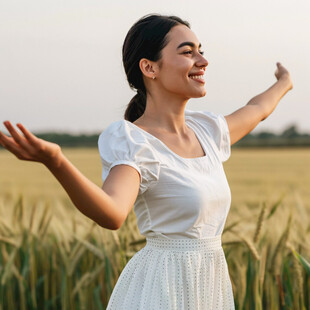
<point>167,148</point>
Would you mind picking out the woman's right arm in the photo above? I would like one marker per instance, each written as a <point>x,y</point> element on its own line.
<point>108,206</point>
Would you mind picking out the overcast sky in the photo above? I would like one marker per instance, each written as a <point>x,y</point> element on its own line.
<point>61,67</point>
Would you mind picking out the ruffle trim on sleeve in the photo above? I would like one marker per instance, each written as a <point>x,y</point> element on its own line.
<point>120,144</point>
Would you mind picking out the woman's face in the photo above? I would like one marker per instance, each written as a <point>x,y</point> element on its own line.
<point>181,63</point>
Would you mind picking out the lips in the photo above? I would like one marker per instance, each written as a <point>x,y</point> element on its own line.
<point>198,79</point>
<point>197,76</point>
<point>201,72</point>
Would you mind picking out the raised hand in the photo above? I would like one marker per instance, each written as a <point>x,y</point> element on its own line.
<point>26,146</point>
<point>282,73</point>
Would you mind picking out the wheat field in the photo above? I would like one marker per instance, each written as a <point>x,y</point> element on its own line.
<point>53,257</point>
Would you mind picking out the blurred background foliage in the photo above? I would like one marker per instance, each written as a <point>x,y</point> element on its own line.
<point>291,136</point>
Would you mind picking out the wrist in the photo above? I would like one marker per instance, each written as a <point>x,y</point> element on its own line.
<point>55,160</point>
<point>286,80</point>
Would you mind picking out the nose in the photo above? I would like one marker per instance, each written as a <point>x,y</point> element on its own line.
<point>202,62</point>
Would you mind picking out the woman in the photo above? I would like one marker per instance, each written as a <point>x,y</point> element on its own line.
<point>166,162</point>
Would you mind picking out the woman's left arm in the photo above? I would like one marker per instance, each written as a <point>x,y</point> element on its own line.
<point>245,119</point>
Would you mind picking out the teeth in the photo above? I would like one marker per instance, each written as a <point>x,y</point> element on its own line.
<point>200,77</point>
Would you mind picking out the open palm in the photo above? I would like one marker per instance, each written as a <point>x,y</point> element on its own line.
<point>26,146</point>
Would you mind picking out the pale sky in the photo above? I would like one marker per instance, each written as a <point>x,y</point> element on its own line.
<point>61,66</point>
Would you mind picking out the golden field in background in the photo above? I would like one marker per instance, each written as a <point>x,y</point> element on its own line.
<point>53,257</point>
<point>253,174</point>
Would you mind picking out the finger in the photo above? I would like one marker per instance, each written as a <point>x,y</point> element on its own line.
<point>12,131</point>
<point>279,64</point>
<point>29,136</point>
<point>19,139</point>
<point>9,144</point>
<point>5,139</point>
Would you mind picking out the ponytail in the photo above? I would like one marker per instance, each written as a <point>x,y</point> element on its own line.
<point>135,107</point>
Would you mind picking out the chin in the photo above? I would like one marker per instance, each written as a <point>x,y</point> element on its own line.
<point>199,95</point>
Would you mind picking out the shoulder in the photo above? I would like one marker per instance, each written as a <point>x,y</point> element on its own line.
<point>215,127</point>
<point>122,137</point>
<point>209,120</point>
<point>111,128</point>
<point>202,115</point>
<point>121,130</point>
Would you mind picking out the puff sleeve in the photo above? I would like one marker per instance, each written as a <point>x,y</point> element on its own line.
<point>216,127</point>
<point>121,144</point>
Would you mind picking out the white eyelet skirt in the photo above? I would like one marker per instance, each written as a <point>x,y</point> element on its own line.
<point>175,274</point>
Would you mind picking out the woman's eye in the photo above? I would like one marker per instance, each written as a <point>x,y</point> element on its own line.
<point>189,52</point>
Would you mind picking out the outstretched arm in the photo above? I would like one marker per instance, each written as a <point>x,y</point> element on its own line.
<point>108,206</point>
<point>245,119</point>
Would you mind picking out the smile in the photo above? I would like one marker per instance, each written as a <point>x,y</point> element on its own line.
<point>197,78</point>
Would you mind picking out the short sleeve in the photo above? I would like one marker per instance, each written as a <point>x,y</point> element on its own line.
<point>122,144</point>
<point>216,127</point>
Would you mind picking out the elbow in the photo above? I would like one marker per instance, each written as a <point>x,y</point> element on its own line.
<point>114,219</point>
<point>110,224</point>
<point>266,110</point>
<point>262,110</point>
<point>118,224</point>
<point>265,113</point>
<point>115,226</point>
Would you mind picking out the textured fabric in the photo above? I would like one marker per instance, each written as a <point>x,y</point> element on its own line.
<point>180,199</point>
<point>175,274</point>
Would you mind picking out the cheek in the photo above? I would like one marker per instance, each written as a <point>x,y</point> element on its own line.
<point>176,75</point>
<point>175,81</point>
<point>178,67</point>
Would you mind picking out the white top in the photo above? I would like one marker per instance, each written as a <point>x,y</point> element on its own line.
<point>178,197</point>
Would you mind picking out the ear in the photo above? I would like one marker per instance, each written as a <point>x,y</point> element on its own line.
<point>147,67</point>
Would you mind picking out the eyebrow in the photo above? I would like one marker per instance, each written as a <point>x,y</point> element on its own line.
<point>188,43</point>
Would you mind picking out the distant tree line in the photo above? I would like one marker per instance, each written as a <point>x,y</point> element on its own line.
<point>290,137</point>
<point>68,140</point>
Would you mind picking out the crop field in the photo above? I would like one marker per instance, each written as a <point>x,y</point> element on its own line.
<point>53,257</point>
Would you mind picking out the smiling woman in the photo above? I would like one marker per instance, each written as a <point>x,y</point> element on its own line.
<point>183,197</point>
<point>166,162</point>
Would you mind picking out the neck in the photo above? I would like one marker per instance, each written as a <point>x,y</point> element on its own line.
<point>166,113</point>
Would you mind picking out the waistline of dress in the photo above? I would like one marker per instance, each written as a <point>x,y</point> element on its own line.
<point>207,244</point>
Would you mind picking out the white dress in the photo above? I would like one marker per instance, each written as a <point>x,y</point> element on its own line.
<point>181,209</point>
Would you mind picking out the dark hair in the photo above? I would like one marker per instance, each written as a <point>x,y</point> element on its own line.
<point>145,39</point>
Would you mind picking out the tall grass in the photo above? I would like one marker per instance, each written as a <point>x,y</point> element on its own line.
<point>52,258</point>
<point>268,268</point>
